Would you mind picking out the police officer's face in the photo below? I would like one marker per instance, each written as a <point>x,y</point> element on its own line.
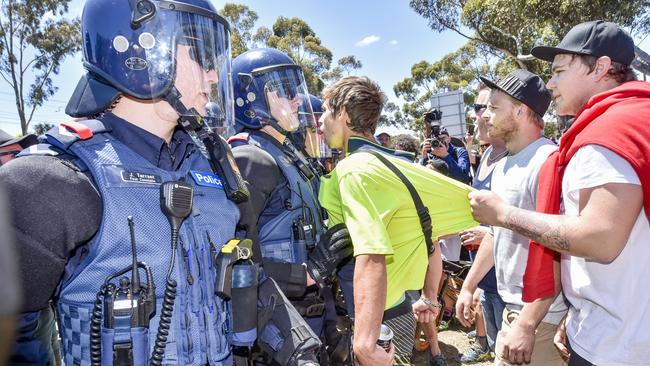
<point>192,81</point>
<point>333,127</point>
<point>284,110</point>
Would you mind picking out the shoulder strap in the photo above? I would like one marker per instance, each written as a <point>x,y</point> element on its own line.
<point>67,133</point>
<point>422,210</point>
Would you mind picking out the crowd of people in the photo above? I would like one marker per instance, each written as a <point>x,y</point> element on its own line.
<point>201,210</point>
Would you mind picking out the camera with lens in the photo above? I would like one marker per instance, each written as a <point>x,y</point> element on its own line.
<point>433,117</point>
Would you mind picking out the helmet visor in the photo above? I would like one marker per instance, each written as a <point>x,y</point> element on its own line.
<point>200,50</point>
<point>312,138</point>
<point>286,95</point>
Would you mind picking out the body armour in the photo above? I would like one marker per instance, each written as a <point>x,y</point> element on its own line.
<point>296,223</point>
<point>130,186</point>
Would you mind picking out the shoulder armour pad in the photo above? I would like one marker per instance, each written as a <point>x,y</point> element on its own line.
<point>40,149</point>
<point>238,139</point>
<point>67,133</point>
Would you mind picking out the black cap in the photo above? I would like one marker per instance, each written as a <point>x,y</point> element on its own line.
<point>526,87</point>
<point>24,141</point>
<point>596,38</point>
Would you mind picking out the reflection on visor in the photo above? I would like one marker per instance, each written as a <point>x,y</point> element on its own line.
<point>201,39</point>
<point>284,87</point>
<point>201,54</point>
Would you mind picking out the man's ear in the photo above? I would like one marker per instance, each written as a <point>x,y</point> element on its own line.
<point>603,64</point>
<point>520,111</point>
<point>343,116</point>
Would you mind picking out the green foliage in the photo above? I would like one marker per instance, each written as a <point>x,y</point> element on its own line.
<point>345,67</point>
<point>296,38</point>
<point>32,47</point>
<point>500,35</point>
<point>292,36</point>
<point>551,130</point>
<point>457,70</point>
<point>242,20</point>
<point>42,128</point>
<point>393,116</point>
<point>512,27</point>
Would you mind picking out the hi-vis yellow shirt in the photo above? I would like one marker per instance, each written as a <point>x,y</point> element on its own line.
<point>381,217</point>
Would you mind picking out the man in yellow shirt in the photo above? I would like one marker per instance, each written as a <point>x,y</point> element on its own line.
<point>379,212</point>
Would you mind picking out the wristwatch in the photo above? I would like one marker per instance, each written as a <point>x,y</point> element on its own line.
<point>431,304</point>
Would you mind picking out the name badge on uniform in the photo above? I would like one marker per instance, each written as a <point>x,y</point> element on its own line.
<point>138,177</point>
<point>206,179</point>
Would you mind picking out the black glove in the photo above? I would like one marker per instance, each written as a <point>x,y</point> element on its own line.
<point>333,249</point>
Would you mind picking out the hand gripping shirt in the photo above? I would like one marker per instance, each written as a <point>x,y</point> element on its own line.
<point>380,214</point>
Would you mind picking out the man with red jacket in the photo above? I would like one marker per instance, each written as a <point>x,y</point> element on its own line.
<point>593,200</point>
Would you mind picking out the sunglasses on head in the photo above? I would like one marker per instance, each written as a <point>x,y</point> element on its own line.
<point>478,107</point>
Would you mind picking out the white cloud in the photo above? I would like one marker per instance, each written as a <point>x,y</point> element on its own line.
<point>393,42</point>
<point>367,41</point>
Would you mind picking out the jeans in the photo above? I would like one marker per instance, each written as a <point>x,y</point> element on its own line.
<point>493,313</point>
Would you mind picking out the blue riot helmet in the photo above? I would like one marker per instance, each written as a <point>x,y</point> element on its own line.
<point>269,89</point>
<point>316,106</point>
<point>174,50</point>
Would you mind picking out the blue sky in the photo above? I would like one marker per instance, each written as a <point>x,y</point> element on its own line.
<point>386,36</point>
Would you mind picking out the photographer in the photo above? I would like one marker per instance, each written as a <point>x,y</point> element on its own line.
<point>439,146</point>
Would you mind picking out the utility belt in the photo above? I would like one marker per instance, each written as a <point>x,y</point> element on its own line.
<point>121,315</point>
<point>311,305</point>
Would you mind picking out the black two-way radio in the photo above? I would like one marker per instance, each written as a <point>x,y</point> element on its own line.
<point>176,201</point>
<point>130,302</point>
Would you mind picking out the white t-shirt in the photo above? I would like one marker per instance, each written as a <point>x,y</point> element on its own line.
<point>515,181</point>
<point>450,248</point>
<point>609,318</point>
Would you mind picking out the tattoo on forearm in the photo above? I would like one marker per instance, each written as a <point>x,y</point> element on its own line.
<point>543,230</point>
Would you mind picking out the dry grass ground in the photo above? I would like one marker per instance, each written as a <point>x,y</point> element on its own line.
<point>453,342</point>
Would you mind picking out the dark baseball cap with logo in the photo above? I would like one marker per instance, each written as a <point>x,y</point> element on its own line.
<point>596,38</point>
<point>526,87</point>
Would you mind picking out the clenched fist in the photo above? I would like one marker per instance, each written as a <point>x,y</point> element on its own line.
<point>488,208</point>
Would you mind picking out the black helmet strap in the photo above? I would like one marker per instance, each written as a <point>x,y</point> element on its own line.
<point>190,119</point>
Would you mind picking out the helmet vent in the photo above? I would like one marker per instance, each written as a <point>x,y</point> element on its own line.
<point>147,40</point>
<point>120,44</point>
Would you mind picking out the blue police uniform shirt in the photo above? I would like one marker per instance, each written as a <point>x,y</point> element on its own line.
<point>149,146</point>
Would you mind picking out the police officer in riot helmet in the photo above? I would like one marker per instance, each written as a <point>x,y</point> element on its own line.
<point>92,222</point>
<point>271,104</point>
<point>308,141</point>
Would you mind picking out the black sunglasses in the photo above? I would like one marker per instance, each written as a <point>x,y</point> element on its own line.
<point>478,107</point>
